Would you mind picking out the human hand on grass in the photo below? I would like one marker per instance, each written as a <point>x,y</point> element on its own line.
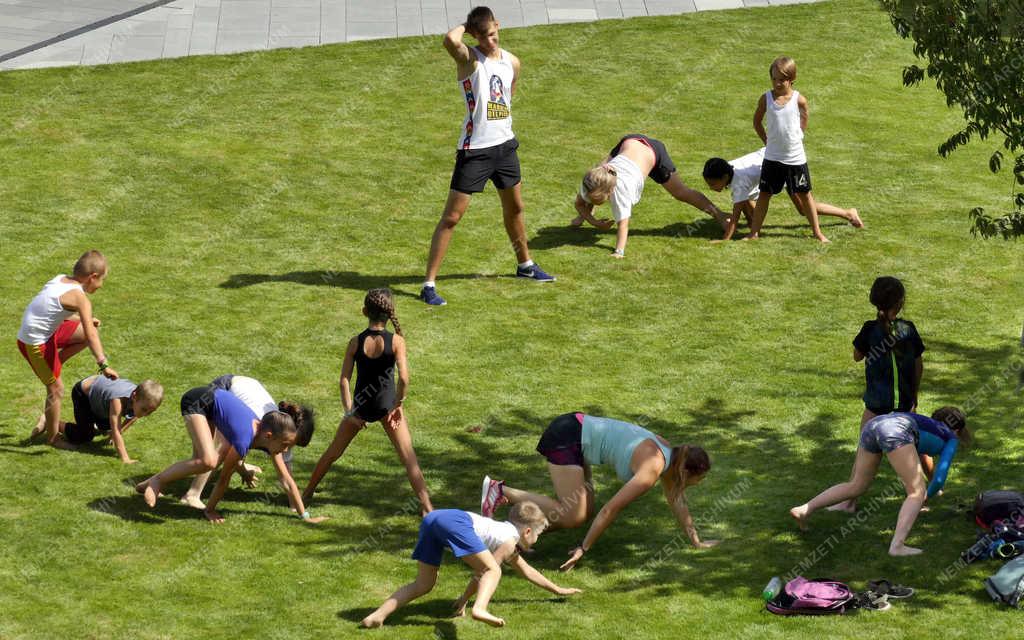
<point>213,516</point>
<point>249,477</point>
<point>707,544</point>
<point>568,591</point>
<point>574,557</point>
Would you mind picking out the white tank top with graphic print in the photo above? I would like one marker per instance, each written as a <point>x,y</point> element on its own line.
<point>785,137</point>
<point>488,96</point>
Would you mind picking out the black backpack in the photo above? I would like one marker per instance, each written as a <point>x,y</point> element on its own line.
<point>993,506</point>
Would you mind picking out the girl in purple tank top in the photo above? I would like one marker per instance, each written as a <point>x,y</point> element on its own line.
<point>223,430</point>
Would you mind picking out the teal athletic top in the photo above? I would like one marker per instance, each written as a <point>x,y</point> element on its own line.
<point>607,441</point>
<point>936,439</point>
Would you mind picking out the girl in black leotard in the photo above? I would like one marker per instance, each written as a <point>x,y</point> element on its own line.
<point>375,354</point>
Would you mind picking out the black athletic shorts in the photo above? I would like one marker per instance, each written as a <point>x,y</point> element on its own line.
<point>561,443</point>
<point>474,167</point>
<point>663,165</point>
<point>198,401</point>
<point>795,177</point>
<point>84,428</point>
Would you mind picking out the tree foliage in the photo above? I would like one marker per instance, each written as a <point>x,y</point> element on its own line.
<point>975,52</point>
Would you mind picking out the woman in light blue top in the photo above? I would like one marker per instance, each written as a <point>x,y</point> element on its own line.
<point>574,442</point>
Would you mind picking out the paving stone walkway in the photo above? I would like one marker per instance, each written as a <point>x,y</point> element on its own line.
<point>47,33</point>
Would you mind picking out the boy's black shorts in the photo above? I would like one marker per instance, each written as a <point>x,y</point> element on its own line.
<point>795,177</point>
<point>85,426</point>
<point>663,165</point>
<point>474,167</point>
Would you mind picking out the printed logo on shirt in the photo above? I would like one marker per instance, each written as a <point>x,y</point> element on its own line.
<point>497,107</point>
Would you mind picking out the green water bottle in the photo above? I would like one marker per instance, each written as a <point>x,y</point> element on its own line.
<point>772,589</point>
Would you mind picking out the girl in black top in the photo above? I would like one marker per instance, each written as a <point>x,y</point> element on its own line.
<point>375,354</point>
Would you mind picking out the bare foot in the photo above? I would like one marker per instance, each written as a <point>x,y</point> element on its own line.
<point>373,621</point>
<point>904,550</point>
<point>150,491</point>
<point>823,240</point>
<point>576,222</point>
<point>800,515</point>
<point>39,428</point>
<point>60,443</point>
<point>484,616</point>
<point>846,507</point>
<point>192,501</point>
<point>855,218</point>
<point>751,236</point>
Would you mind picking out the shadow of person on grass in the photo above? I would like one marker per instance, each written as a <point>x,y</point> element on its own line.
<point>20,446</point>
<point>592,237</point>
<point>134,509</point>
<point>343,279</point>
<point>435,612</point>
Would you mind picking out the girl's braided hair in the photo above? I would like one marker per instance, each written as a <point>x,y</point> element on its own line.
<point>380,307</point>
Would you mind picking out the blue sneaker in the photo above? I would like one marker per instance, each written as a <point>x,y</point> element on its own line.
<point>429,295</point>
<point>534,272</point>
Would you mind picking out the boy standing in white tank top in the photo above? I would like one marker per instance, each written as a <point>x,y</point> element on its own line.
<point>785,163</point>
<point>486,148</point>
<point>56,325</point>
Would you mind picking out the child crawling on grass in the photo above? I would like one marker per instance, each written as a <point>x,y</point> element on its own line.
<point>483,544</point>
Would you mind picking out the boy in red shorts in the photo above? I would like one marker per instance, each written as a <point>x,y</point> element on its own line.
<point>56,325</point>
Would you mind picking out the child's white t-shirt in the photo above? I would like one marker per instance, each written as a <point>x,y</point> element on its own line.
<point>746,176</point>
<point>492,532</point>
<point>253,395</point>
<point>629,186</point>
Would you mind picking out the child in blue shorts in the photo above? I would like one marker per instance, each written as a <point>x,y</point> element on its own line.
<point>483,544</point>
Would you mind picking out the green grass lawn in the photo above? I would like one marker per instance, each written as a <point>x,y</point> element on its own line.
<point>247,202</point>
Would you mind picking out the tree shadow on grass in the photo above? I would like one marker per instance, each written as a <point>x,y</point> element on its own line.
<point>761,540</point>
<point>343,279</point>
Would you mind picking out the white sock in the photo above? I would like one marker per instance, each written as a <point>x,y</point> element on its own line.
<point>528,263</point>
<point>429,283</point>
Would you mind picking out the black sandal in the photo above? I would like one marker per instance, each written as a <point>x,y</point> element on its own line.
<point>883,587</point>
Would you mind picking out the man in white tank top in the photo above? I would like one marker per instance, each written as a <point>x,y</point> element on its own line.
<point>486,149</point>
<point>56,325</point>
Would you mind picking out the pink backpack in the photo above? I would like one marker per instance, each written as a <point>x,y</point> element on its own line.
<point>812,597</point>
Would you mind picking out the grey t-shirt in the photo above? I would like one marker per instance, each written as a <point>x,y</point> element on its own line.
<point>104,390</point>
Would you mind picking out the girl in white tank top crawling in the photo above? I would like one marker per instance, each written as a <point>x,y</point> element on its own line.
<point>785,164</point>
<point>619,181</point>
